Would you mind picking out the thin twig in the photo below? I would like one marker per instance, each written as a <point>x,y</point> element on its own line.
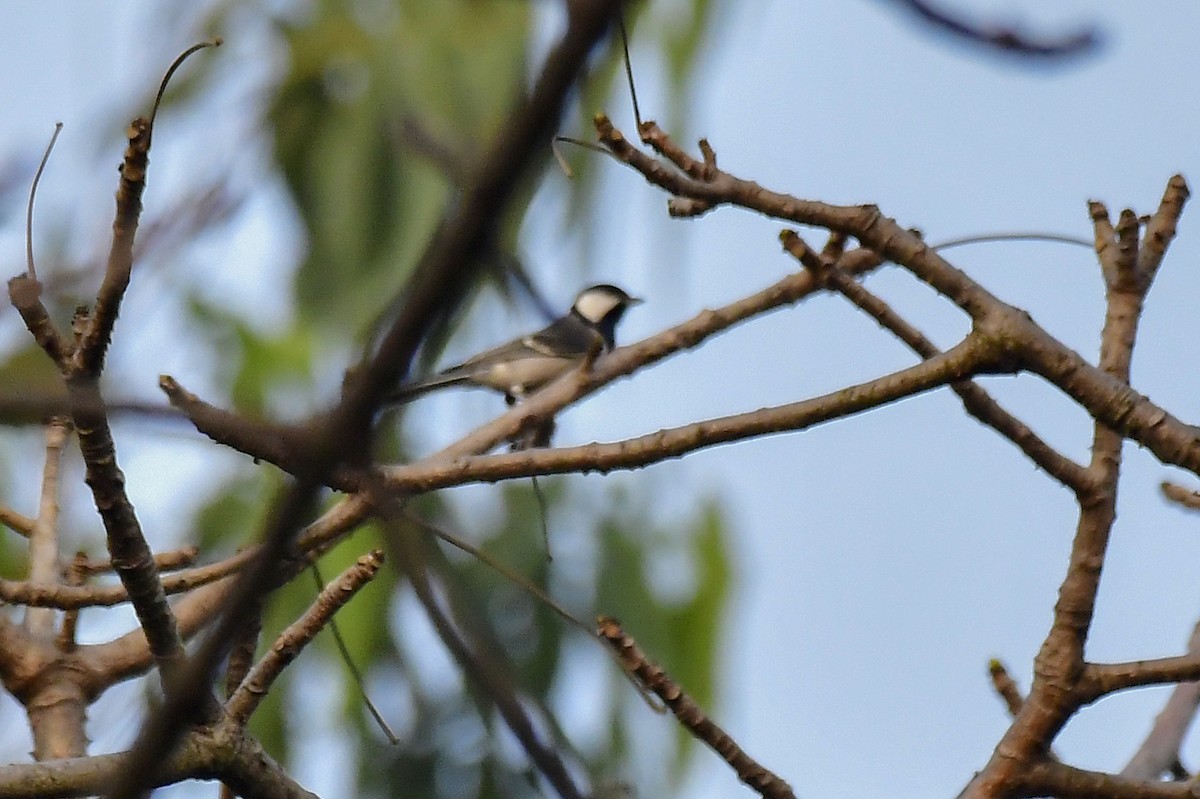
<point>37,178</point>
<point>348,659</point>
<point>163,561</point>
<point>505,571</point>
<point>655,679</point>
<point>19,523</point>
<point>991,238</point>
<point>494,682</point>
<point>74,576</point>
<point>637,114</point>
<point>1006,687</point>
<point>1185,497</point>
<point>976,401</point>
<point>1159,752</point>
<point>170,73</point>
<point>298,635</point>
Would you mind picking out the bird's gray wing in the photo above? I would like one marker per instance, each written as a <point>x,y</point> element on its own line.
<point>569,338</point>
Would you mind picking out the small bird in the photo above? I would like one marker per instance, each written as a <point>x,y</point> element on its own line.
<point>524,365</point>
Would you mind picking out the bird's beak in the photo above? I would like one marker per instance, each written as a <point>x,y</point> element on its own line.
<point>635,301</point>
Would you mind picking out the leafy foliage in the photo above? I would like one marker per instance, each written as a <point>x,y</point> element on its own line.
<point>380,110</point>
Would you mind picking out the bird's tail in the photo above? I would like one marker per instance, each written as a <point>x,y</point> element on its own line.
<point>410,391</point>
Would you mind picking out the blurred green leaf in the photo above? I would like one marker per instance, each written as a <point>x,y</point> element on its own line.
<point>30,371</point>
<point>256,366</point>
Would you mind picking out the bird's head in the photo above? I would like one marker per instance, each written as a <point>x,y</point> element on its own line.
<point>602,305</point>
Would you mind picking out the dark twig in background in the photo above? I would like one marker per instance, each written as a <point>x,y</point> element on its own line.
<point>408,549</point>
<point>1009,40</point>
<point>31,270</point>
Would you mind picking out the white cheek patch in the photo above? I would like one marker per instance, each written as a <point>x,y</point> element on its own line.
<point>594,306</point>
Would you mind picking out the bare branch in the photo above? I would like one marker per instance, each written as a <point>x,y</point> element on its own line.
<point>977,402</point>
<point>298,635</point>
<point>267,442</point>
<point>1107,399</point>
<point>19,523</point>
<point>655,679</point>
<point>131,555</point>
<point>1160,229</point>
<point>1049,777</point>
<point>1159,752</point>
<point>201,755</point>
<point>1182,496</point>
<point>1006,687</point>
<point>89,358</point>
<point>43,538</point>
<point>129,656</point>
<point>25,294</point>
<point>964,360</point>
<point>163,561</point>
<point>443,273</point>
<point>1061,677</point>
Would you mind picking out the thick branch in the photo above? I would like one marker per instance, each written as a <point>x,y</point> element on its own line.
<point>131,556</point>
<point>237,760</point>
<point>1107,399</point>
<point>1059,668</point>
<point>89,357</point>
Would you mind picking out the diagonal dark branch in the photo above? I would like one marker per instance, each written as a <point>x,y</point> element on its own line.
<point>442,274</point>
<point>407,549</point>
